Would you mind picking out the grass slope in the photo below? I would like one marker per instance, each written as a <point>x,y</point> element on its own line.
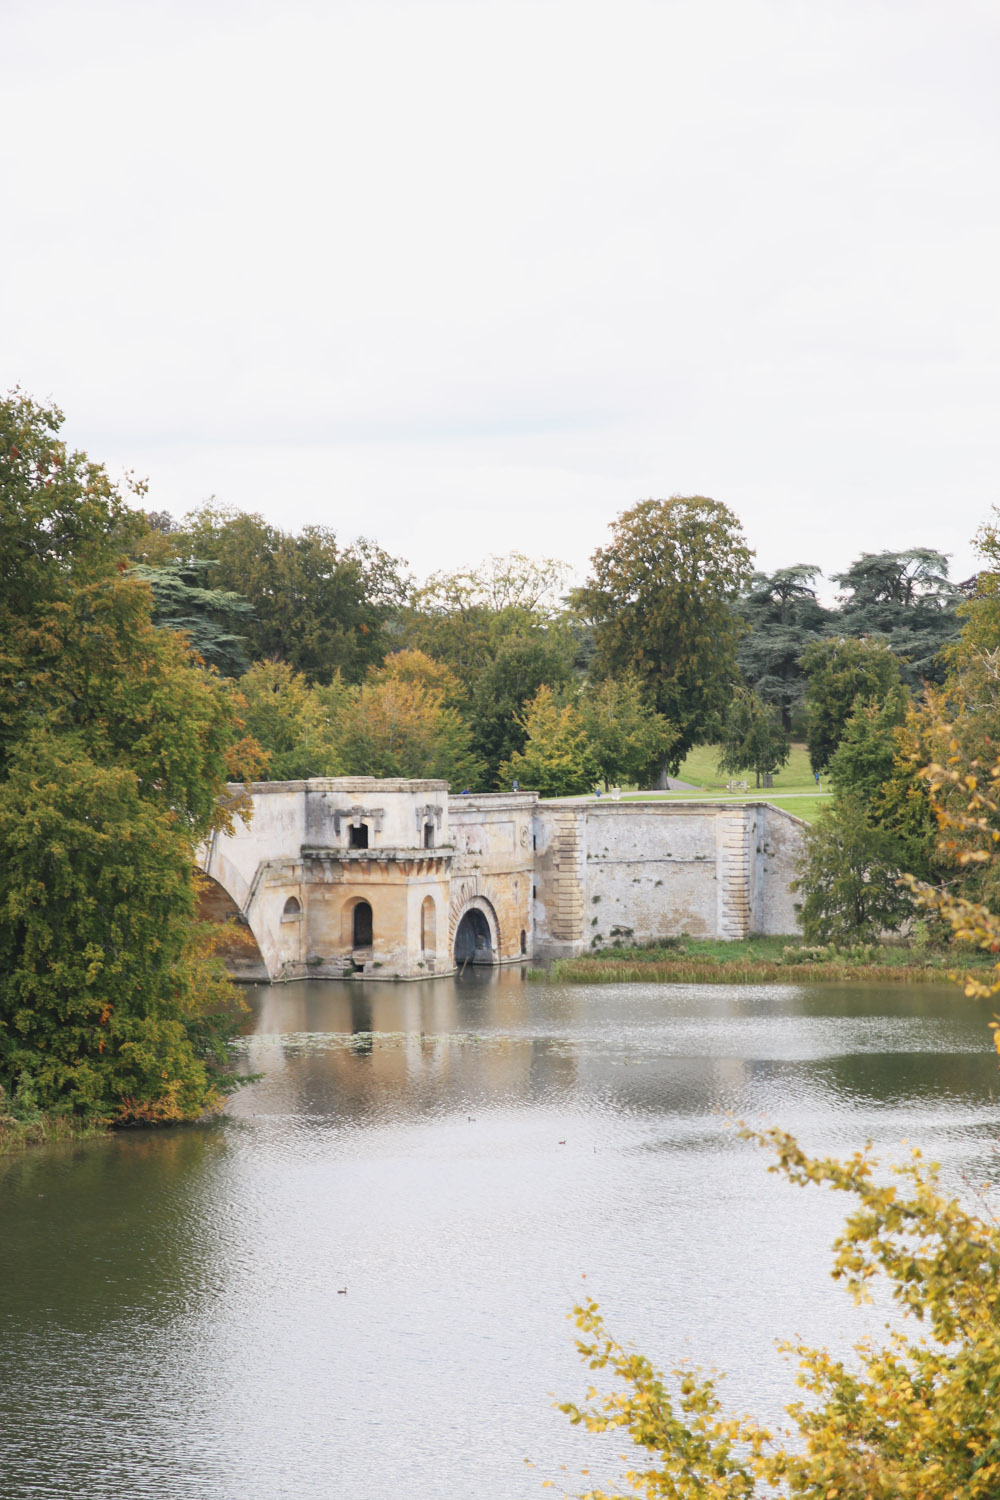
<point>794,789</point>
<point>762,960</point>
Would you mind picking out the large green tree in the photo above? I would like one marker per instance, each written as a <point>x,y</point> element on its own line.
<point>661,598</point>
<point>113,755</point>
<point>905,597</point>
<point>462,618</point>
<point>503,688</point>
<point>839,672</point>
<point>297,725</point>
<point>752,738</point>
<point>503,631</point>
<point>213,620</point>
<point>402,722</point>
<point>557,759</point>
<point>849,877</point>
<point>626,736</point>
<point>318,605</point>
<point>783,616</point>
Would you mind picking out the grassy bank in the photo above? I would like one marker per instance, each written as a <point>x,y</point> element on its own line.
<point>779,960</point>
<point>44,1130</point>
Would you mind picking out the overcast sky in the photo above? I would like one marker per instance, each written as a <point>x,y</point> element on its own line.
<point>473,276</point>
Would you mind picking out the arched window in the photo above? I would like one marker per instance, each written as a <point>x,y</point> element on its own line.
<point>428,925</point>
<point>524,941</point>
<point>362,925</point>
<point>291,910</point>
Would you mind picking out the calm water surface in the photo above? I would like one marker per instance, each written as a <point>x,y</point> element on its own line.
<point>456,1155</point>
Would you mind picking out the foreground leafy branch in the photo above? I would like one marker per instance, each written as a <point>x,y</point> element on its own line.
<point>915,1419</point>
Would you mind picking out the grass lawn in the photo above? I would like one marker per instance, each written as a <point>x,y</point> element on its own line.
<point>808,808</point>
<point>794,788</point>
<point>700,768</point>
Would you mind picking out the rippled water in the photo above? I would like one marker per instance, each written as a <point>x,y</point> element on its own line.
<point>456,1155</point>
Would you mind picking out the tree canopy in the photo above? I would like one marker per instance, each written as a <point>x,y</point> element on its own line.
<point>661,598</point>
<point>839,672</point>
<point>317,605</point>
<point>502,632</point>
<point>628,739</point>
<point>783,617</point>
<point>212,619</point>
<point>752,737</point>
<point>113,755</point>
<point>557,759</point>
<point>906,598</point>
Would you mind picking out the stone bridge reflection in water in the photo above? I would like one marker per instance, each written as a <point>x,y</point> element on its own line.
<point>454,1154</point>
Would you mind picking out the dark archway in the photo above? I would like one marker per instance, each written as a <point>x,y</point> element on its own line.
<point>362,917</point>
<point>236,944</point>
<point>473,940</point>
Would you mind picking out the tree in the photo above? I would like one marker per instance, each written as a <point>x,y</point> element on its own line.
<point>504,687</point>
<point>113,755</point>
<point>783,617</point>
<point>979,611</point>
<point>461,618</point>
<point>661,599</point>
<point>627,738</point>
<point>907,598</point>
<point>400,723</point>
<point>413,666</point>
<point>839,672</point>
<point>107,1010</point>
<point>502,631</point>
<point>864,759</point>
<point>291,721</point>
<point>317,605</point>
<point>916,1419</point>
<point>752,738</point>
<point>557,759</point>
<point>183,601</point>
<point>849,878</point>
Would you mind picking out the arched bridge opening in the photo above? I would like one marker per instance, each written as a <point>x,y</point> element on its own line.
<point>235,944</point>
<point>474,939</point>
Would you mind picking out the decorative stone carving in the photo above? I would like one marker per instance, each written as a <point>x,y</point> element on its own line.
<point>428,814</point>
<point>355,816</point>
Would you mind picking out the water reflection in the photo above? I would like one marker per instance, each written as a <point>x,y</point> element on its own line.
<point>455,1154</point>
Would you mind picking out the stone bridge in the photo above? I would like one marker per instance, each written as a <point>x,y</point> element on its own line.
<point>381,879</point>
<point>374,879</point>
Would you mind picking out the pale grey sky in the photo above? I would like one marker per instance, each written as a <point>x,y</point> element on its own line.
<point>479,275</point>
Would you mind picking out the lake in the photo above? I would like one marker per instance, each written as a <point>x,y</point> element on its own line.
<point>356,1282</point>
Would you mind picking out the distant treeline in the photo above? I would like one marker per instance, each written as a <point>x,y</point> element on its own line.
<point>342,663</point>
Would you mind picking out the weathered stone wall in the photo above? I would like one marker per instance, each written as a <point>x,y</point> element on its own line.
<point>638,871</point>
<point>492,863</point>
<point>780,846</point>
